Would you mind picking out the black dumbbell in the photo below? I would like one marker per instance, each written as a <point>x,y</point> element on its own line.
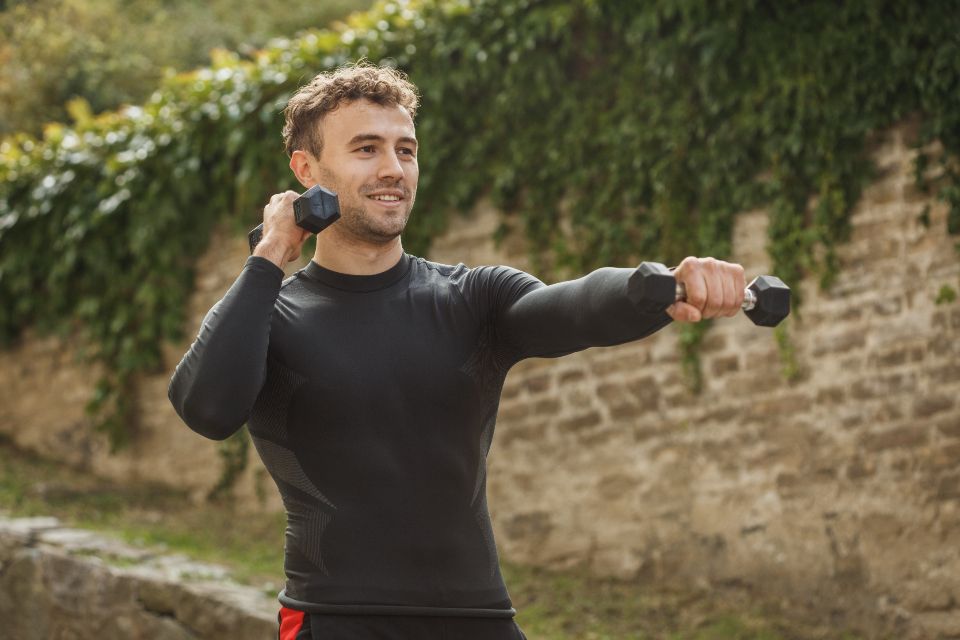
<point>316,209</point>
<point>652,288</point>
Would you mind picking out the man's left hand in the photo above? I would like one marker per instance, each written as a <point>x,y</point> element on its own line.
<point>714,289</point>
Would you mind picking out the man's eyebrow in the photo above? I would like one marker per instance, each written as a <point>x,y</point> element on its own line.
<point>373,137</point>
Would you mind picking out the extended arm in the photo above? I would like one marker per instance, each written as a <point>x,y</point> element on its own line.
<point>219,378</point>
<point>591,311</point>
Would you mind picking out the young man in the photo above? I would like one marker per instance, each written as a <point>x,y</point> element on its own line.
<point>370,379</point>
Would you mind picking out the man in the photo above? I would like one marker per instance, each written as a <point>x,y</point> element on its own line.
<point>370,379</point>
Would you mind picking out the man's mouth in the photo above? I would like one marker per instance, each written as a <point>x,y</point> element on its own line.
<point>385,198</point>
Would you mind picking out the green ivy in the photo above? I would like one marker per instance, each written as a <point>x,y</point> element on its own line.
<point>611,131</point>
<point>233,454</point>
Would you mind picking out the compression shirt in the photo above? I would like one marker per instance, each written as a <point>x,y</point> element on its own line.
<point>372,401</point>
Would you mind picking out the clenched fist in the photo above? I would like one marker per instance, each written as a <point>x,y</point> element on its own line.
<point>282,238</point>
<point>714,289</point>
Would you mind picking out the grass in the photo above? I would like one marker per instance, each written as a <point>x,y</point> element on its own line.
<point>551,606</point>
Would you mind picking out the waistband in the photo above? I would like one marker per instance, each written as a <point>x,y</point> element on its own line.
<point>391,609</point>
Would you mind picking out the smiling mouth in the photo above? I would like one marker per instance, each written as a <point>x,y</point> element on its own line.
<point>385,198</point>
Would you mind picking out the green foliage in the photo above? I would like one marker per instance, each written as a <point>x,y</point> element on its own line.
<point>233,454</point>
<point>691,336</point>
<point>946,295</point>
<point>111,52</point>
<point>613,131</point>
<point>788,354</point>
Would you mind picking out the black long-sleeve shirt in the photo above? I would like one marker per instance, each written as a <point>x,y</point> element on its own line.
<point>372,402</point>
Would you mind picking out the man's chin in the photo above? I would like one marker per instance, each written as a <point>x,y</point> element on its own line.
<point>388,226</point>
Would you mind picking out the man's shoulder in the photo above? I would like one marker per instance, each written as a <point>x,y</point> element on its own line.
<point>439,268</point>
<point>461,270</point>
<point>483,285</point>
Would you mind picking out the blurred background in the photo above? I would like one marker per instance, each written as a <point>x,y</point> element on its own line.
<point>110,53</point>
<point>718,481</point>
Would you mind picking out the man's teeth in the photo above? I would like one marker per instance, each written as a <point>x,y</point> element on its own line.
<point>386,198</point>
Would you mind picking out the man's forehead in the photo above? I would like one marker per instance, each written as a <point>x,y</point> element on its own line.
<point>361,117</point>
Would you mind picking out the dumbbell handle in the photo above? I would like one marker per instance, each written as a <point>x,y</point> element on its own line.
<point>749,298</point>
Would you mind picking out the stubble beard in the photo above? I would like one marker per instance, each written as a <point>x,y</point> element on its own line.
<point>361,224</point>
<point>374,228</point>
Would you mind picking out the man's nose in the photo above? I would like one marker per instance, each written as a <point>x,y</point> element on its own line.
<point>390,167</point>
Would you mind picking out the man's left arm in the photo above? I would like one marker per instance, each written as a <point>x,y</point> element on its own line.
<point>595,310</point>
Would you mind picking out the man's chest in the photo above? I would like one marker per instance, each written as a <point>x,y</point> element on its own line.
<point>415,342</point>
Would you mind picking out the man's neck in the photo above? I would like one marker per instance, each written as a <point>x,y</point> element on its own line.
<point>344,255</point>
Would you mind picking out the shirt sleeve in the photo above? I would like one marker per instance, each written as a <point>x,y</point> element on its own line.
<point>536,320</point>
<point>218,380</point>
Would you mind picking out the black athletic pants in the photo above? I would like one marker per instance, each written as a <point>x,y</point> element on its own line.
<point>295,625</point>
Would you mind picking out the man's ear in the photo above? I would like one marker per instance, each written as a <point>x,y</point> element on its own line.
<point>300,162</point>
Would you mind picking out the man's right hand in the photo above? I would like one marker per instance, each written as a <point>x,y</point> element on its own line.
<point>282,238</point>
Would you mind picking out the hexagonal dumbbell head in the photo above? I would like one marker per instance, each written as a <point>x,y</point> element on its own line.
<point>651,287</point>
<point>316,209</point>
<point>773,301</point>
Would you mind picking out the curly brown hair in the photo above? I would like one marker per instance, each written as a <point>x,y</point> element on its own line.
<point>328,90</point>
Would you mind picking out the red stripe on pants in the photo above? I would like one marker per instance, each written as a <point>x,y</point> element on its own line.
<point>291,621</point>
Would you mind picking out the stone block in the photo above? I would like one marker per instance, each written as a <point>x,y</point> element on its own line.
<point>645,391</point>
<point>887,307</point>
<point>947,373</point>
<point>571,376</point>
<point>529,526</point>
<point>538,383</point>
<point>722,414</point>
<point>713,341</point>
<point>841,342</point>
<point>624,411</point>
<point>612,392</point>
<point>948,487</point>
<point>939,320</point>
<point>47,593</point>
<point>621,363</point>
<point>946,456</point>
<point>898,355</point>
<point>546,408</point>
<point>511,434</point>
<point>882,386</point>
<point>831,395</point>
<point>787,483</point>
<point>780,405</point>
<point>950,427</point>
<point>724,365</point>
<point>615,486</point>
<point>899,438</point>
<point>581,421</point>
<point>941,345</point>
<point>936,625</point>
<point>932,404</point>
<point>513,412</point>
<point>887,412</point>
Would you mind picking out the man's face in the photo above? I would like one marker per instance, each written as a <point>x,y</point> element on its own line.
<point>369,158</point>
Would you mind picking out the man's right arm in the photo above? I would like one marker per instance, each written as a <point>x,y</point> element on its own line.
<point>217,382</point>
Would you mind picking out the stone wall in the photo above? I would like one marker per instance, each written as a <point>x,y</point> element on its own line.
<point>57,582</point>
<point>838,491</point>
<point>43,390</point>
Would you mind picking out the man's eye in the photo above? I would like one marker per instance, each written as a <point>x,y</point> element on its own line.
<point>406,151</point>
<point>367,149</point>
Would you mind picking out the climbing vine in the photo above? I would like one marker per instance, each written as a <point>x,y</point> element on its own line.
<point>611,131</point>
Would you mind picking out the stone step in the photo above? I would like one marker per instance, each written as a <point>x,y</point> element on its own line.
<point>59,582</point>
